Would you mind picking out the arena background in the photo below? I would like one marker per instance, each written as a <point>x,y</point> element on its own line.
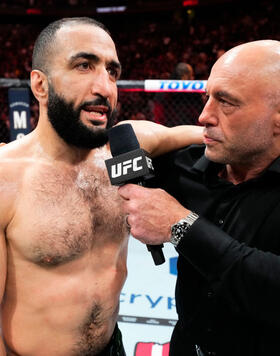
<point>151,37</point>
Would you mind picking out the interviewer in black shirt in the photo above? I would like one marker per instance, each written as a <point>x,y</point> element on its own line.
<point>228,286</point>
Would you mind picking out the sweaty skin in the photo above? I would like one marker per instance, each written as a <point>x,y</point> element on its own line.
<point>66,243</point>
<point>63,237</point>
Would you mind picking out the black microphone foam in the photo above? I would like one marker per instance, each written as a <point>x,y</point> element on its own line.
<point>122,139</point>
<point>130,164</point>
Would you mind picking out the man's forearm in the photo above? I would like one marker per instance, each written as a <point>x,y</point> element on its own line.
<point>158,139</point>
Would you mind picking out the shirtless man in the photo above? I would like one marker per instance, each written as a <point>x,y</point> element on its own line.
<point>63,237</point>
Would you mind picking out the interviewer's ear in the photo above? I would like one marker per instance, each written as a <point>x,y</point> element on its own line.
<point>2,144</point>
<point>39,85</point>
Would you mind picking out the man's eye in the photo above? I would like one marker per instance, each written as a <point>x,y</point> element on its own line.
<point>83,66</point>
<point>113,72</point>
<point>225,103</point>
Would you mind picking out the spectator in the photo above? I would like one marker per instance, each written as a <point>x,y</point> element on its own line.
<point>178,108</point>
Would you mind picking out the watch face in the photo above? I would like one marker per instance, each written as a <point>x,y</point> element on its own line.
<point>177,232</point>
<point>181,228</point>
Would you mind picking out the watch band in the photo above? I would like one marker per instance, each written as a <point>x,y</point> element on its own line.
<point>179,229</point>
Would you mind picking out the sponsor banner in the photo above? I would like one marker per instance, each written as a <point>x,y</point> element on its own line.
<point>161,85</point>
<point>19,113</point>
<point>147,304</point>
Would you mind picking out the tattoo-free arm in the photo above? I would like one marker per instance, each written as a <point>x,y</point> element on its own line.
<point>158,139</point>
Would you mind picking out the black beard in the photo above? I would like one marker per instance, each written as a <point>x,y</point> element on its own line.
<point>65,119</point>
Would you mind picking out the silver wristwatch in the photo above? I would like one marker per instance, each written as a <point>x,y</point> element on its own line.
<point>181,227</point>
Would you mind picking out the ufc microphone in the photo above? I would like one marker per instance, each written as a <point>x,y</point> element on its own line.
<point>130,164</point>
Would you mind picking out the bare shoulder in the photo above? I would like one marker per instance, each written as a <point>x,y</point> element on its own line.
<point>13,162</point>
<point>15,151</point>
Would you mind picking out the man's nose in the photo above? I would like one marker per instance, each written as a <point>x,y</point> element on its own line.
<point>102,84</point>
<point>209,114</point>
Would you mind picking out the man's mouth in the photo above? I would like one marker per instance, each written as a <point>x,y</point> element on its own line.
<point>208,139</point>
<point>97,114</point>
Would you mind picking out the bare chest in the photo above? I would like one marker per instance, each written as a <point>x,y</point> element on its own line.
<point>62,214</point>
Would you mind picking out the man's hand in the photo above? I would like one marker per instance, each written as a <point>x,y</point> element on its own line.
<point>150,213</point>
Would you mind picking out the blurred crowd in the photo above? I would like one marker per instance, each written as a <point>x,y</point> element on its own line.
<point>150,48</point>
<point>42,3</point>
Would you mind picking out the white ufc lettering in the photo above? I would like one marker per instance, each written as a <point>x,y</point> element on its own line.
<point>135,162</point>
<point>126,165</point>
<point>123,168</point>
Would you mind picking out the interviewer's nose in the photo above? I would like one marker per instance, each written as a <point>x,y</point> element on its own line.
<point>209,115</point>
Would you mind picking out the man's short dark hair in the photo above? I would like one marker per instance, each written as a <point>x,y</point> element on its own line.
<point>46,40</point>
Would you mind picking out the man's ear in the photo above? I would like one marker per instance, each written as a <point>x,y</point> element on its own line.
<point>39,86</point>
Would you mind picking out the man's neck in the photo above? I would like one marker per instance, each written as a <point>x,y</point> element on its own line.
<point>54,148</point>
<point>240,174</point>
